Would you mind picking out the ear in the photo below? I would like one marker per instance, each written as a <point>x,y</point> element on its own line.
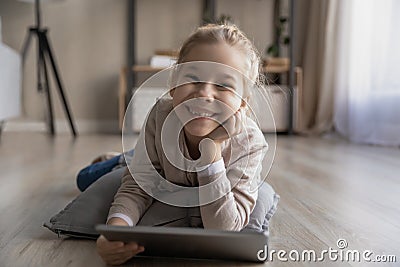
<point>172,79</point>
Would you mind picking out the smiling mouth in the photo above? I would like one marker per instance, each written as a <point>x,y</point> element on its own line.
<point>201,113</point>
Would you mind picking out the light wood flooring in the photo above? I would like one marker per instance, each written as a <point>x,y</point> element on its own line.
<point>329,189</point>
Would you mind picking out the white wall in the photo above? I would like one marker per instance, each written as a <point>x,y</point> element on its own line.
<point>10,82</point>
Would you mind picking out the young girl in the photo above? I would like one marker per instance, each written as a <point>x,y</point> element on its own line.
<point>224,169</point>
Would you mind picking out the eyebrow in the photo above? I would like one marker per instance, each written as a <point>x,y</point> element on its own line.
<point>230,77</point>
<point>189,68</point>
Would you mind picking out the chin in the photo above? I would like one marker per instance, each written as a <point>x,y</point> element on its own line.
<point>200,128</point>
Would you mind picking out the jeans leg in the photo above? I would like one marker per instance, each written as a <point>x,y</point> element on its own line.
<point>265,208</point>
<point>91,173</point>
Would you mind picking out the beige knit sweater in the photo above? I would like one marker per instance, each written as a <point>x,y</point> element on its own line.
<point>234,183</point>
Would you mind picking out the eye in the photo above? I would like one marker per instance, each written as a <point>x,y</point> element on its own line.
<point>225,86</point>
<point>191,78</point>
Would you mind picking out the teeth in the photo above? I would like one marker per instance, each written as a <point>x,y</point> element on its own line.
<point>202,114</point>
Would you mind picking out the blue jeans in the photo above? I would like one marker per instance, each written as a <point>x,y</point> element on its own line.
<point>93,172</point>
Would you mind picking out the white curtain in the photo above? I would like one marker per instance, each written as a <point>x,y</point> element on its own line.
<point>367,86</point>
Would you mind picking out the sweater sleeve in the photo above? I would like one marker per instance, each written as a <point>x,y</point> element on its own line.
<point>233,189</point>
<point>133,198</point>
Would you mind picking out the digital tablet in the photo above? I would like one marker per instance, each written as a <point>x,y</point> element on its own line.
<point>191,242</point>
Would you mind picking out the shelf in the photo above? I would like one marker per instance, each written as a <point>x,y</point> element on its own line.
<point>146,68</point>
<point>276,68</point>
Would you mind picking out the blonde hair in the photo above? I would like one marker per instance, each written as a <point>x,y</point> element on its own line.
<point>231,35</point>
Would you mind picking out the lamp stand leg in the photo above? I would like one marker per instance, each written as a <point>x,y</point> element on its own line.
<point>48,50</point>
<point>46,84</point>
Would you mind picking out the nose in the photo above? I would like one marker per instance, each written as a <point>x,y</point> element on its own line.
<point>205,90</point>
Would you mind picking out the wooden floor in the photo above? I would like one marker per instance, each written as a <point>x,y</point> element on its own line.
<point>329,189</point>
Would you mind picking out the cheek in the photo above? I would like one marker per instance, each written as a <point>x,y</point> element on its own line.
<point>234,102</point>
<point>228,105</point>
<point>178,96</point>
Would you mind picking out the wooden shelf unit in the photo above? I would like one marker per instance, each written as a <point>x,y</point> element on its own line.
<point>209,7</point>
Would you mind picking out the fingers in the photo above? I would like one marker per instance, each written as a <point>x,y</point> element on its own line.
<point>233,125</point>
<point>134,247</point>
<point>218,133</point>
<point>238,122</point>
<point>229,128</point>
<point>103,244</point>
<point>116,252</point>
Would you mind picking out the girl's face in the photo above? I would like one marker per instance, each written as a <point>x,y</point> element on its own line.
<point>210,92</point>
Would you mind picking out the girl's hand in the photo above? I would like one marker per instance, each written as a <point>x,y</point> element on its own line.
<point>116,252</point>
<point>231,127</point>
<point>211,150</point>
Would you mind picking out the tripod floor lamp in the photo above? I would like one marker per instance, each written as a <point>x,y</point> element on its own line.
<point>45,56</point>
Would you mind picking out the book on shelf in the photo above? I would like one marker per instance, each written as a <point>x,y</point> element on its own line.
<point>161,61</point>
